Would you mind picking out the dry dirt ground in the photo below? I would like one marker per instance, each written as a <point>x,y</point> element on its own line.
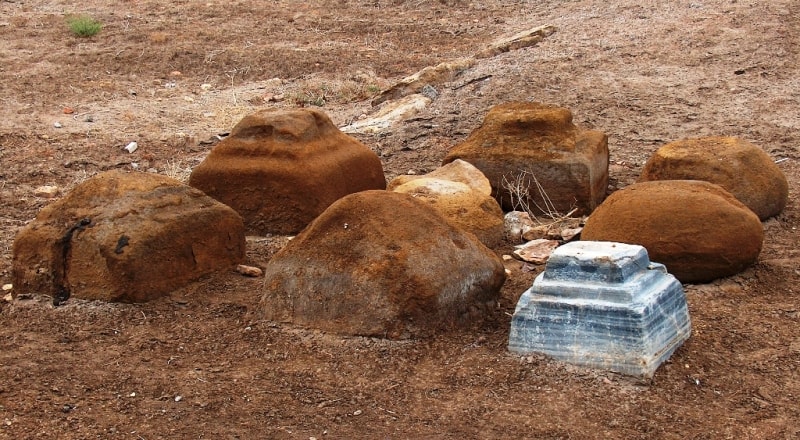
<point>202,364</point>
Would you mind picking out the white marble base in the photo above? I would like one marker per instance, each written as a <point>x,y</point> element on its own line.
<point>602,305</point>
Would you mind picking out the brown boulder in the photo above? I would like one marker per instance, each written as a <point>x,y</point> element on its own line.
<point>740,167</point>
<point>531,150</point>
<point>695,228</point>
<point>126,237</point>
<point>380,263</point>
<point>280,169</point>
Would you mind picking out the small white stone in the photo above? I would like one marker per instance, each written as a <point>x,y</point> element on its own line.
<point>46,191</point>
<point>132,395</point>
<point>205,87</point>
<point>7,287</point>
<point>357,412</point>
<point>178,398</point>
<point>57,124</point>
<point>249,271</point>
<point>130,148</point>
<point>536,251</point>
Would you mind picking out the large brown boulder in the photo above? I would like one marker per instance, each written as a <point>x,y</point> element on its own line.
<point>695,228</point>
<point>280,169</point>
<point>380,263</point>
<point>126,237</point>
<point>536,159</point>
<point>740,167</point>
<point>462,194</point>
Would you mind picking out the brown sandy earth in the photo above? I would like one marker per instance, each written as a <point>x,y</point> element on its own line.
<point>202,364</point>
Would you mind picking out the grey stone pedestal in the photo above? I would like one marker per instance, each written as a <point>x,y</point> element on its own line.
<point>602,305</point>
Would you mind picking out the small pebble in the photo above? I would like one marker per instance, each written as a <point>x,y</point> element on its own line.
<point>7,287</point>
<point>57,124</point>
<point>130,148</point>
<point>47,191</point>
<point>178,398</point>
<point>249,271</point>
<point>357,412</point>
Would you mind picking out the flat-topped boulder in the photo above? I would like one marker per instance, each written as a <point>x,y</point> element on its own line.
<point>535,157</point>
<point>462,194</point>
<point>381,263</point>
<point>743,169</point>
<point>279,169</point>
<point>697,229</point>
<point>602,305</point>
<point>126,237</point>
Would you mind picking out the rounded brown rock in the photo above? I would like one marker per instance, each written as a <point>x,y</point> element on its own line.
<point>381,263</point>
<point>698,230</point>
<point>743,169</point>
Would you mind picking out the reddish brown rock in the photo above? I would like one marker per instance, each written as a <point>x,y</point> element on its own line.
<point>740,167</point>
<point>520,144</point>
<point>280,169</point>
<point>126,237</point>
<point>380,263</point>
<point>695,228</point>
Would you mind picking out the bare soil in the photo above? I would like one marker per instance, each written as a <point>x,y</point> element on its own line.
<point>202,364</point>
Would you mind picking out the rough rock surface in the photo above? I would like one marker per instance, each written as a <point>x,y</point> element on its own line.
<point>126,237</point>
<point>280,169</point>
<point>695,228</point>
<point>740,167</point>
<point>462,194</point>
<point>522,143</point>
<point>380,263</point>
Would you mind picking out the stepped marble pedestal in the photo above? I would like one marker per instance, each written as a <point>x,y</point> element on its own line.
<point>602,305</point>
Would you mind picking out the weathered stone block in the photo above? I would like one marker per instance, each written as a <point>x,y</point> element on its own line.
<point>602,305</point>
<point>279,169</point>
<point>536,149</point>
<point>126,237</point>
